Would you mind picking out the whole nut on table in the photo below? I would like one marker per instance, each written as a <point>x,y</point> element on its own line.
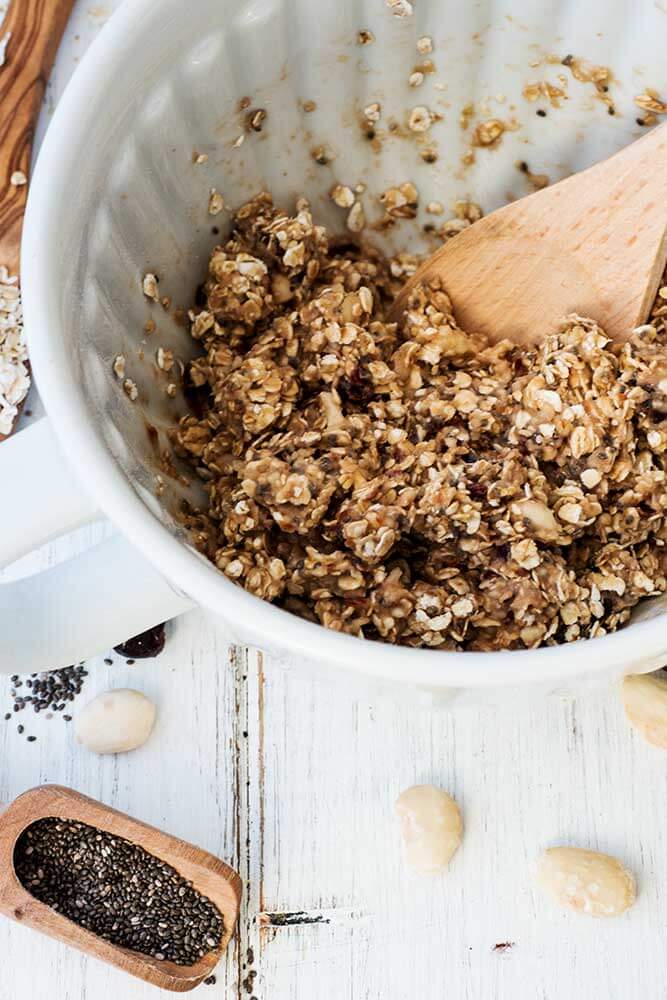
<point>116,721</point>
<point>431,825</point>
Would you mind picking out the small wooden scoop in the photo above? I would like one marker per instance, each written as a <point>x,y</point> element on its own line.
<point>34,29</point>
<point>209,876</point>
<point>593,244</point>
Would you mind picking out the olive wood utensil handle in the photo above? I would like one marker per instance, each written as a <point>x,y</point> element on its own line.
<point>35,28</point>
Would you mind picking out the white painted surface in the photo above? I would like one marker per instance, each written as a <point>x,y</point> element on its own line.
<point>293,782</point>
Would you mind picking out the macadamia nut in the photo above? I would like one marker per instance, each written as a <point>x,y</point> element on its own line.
<point>645,704</point>
<point>586,881</point>
<point>431,826</point>
<point>116,721</point>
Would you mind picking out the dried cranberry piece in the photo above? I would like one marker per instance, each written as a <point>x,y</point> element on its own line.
<point>140,647</point>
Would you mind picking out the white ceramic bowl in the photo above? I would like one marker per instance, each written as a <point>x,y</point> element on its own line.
<point>115,193</point>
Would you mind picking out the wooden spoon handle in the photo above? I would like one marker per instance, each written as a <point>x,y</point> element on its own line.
<point>36,28</point>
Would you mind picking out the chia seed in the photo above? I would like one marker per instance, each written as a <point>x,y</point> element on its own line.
<point>47,692</point>
<point>117,890</point>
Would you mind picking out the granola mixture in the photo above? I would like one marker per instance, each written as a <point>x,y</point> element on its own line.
<point>418,485</point>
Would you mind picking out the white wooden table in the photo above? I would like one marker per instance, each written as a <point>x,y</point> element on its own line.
<point>293,783</point>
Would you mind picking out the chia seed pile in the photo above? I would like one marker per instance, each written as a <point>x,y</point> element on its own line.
<point>117,890</point>
<point>48,692</point>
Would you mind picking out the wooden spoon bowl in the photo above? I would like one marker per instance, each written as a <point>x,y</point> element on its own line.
<point>209,875</point>
<point>593,244</point>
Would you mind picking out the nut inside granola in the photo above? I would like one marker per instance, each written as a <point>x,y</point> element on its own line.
<point>418,485</point>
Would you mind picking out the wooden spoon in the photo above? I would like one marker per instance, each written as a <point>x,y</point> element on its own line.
<point>593,244</point>
<point>35,28</point>
<point>210,876</point>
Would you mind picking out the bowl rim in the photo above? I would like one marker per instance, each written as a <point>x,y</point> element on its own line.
<point>265,625</point>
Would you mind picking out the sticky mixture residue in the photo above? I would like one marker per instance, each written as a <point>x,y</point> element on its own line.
<point>545,90</point>
<point>418,485</point>
<point>601,77</point>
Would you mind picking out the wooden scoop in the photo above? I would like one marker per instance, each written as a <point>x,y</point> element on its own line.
<point>593,244</point>
<point>209,876</point>
<point>35,28</point>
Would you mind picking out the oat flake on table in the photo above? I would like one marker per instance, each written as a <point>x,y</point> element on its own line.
<point>14,374</point>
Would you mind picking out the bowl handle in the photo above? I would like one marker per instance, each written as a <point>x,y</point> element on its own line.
<point>80,607</point>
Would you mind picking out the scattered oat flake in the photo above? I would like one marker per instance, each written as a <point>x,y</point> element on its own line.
<point>420,119</point>
<point>165,359</point>
<point>416,79</point>
<point>425,45</point>
<point>199,157</point>
<point>119,366</point>
<point>149,285</point>
<point>435,207</point>
<point>216,202</point>
<point>238,141</point>
<point>651,102</point>
<point>488,133</point>
<point>467,113</point>
<point>309,106</point>
<point>323,154</point>
<point>401,202</point>
<point>365,37</point>
<point>130,389</point>
<point>342,196</point>
<point>356,219</point>
<point>254,120</point>
<point>18,178</point>
<point>549,91</point>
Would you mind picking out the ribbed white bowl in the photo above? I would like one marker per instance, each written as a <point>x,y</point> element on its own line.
<point>117,194</point>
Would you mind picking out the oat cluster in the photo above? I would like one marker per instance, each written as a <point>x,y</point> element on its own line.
<point>418,485</point>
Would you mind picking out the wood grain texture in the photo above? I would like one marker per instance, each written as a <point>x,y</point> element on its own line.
<point>208,874</point>
<point>593,244</point>
<point>36,27</point>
